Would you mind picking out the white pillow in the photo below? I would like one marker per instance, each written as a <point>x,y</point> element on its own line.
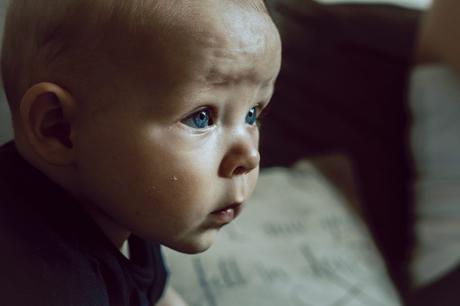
<point>435,142</point>
<point>294,244</point>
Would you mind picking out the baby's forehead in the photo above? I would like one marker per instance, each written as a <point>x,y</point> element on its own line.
<point>221,44</point>
<point>209,35</point>
<point>225,30</point>
<point>236,36</point>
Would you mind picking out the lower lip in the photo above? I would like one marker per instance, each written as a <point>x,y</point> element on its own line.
<point>226,215</point>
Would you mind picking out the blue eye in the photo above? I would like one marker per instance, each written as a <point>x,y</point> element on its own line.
<point>251,117</point>
<point>199,120</point>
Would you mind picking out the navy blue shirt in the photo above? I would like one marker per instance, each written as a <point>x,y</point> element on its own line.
<point>53,254</point>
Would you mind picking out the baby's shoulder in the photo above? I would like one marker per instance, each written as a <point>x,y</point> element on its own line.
<point>37,269</point>
<point>39,266</point>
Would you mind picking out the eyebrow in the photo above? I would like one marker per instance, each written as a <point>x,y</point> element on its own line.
<point>220,79</point>
<point>217,78</point>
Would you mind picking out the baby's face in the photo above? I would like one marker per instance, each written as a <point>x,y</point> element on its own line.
<point>175,156</point>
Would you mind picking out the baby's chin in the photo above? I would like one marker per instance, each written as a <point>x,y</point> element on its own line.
<point>194,245</point>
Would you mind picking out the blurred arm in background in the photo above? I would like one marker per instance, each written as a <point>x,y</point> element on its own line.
<point>439,37</point>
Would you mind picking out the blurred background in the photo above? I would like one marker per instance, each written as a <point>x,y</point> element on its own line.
<point>343,89</point>
<point>6,131</point>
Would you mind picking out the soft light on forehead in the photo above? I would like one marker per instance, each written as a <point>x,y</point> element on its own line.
<point>247,28</point>
<point>212,43</point>
<point>239,45</point>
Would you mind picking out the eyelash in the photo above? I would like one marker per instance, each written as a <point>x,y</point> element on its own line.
<point>204,117</point>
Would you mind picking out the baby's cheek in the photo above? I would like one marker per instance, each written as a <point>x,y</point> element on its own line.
<point>182,192</point>
<point>253,178</point>
<point>195,191</point>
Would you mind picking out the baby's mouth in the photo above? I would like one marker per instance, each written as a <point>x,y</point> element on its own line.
<point>228,213</point>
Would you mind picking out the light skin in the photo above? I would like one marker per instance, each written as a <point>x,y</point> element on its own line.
<point>174,155</point>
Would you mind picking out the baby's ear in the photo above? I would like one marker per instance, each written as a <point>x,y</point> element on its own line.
<point>47,113</point>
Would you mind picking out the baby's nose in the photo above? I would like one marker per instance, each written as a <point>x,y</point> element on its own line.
<point>242,157</point>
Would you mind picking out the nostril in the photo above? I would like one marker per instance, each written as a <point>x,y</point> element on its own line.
<point>241,170</point>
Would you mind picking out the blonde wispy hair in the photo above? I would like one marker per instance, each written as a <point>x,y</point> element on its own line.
<point>69,41</point>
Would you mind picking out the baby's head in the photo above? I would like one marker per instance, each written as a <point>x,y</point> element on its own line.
<point>145,110</point>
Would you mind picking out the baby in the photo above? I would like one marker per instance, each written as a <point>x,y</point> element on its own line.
<point>135,126</point>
